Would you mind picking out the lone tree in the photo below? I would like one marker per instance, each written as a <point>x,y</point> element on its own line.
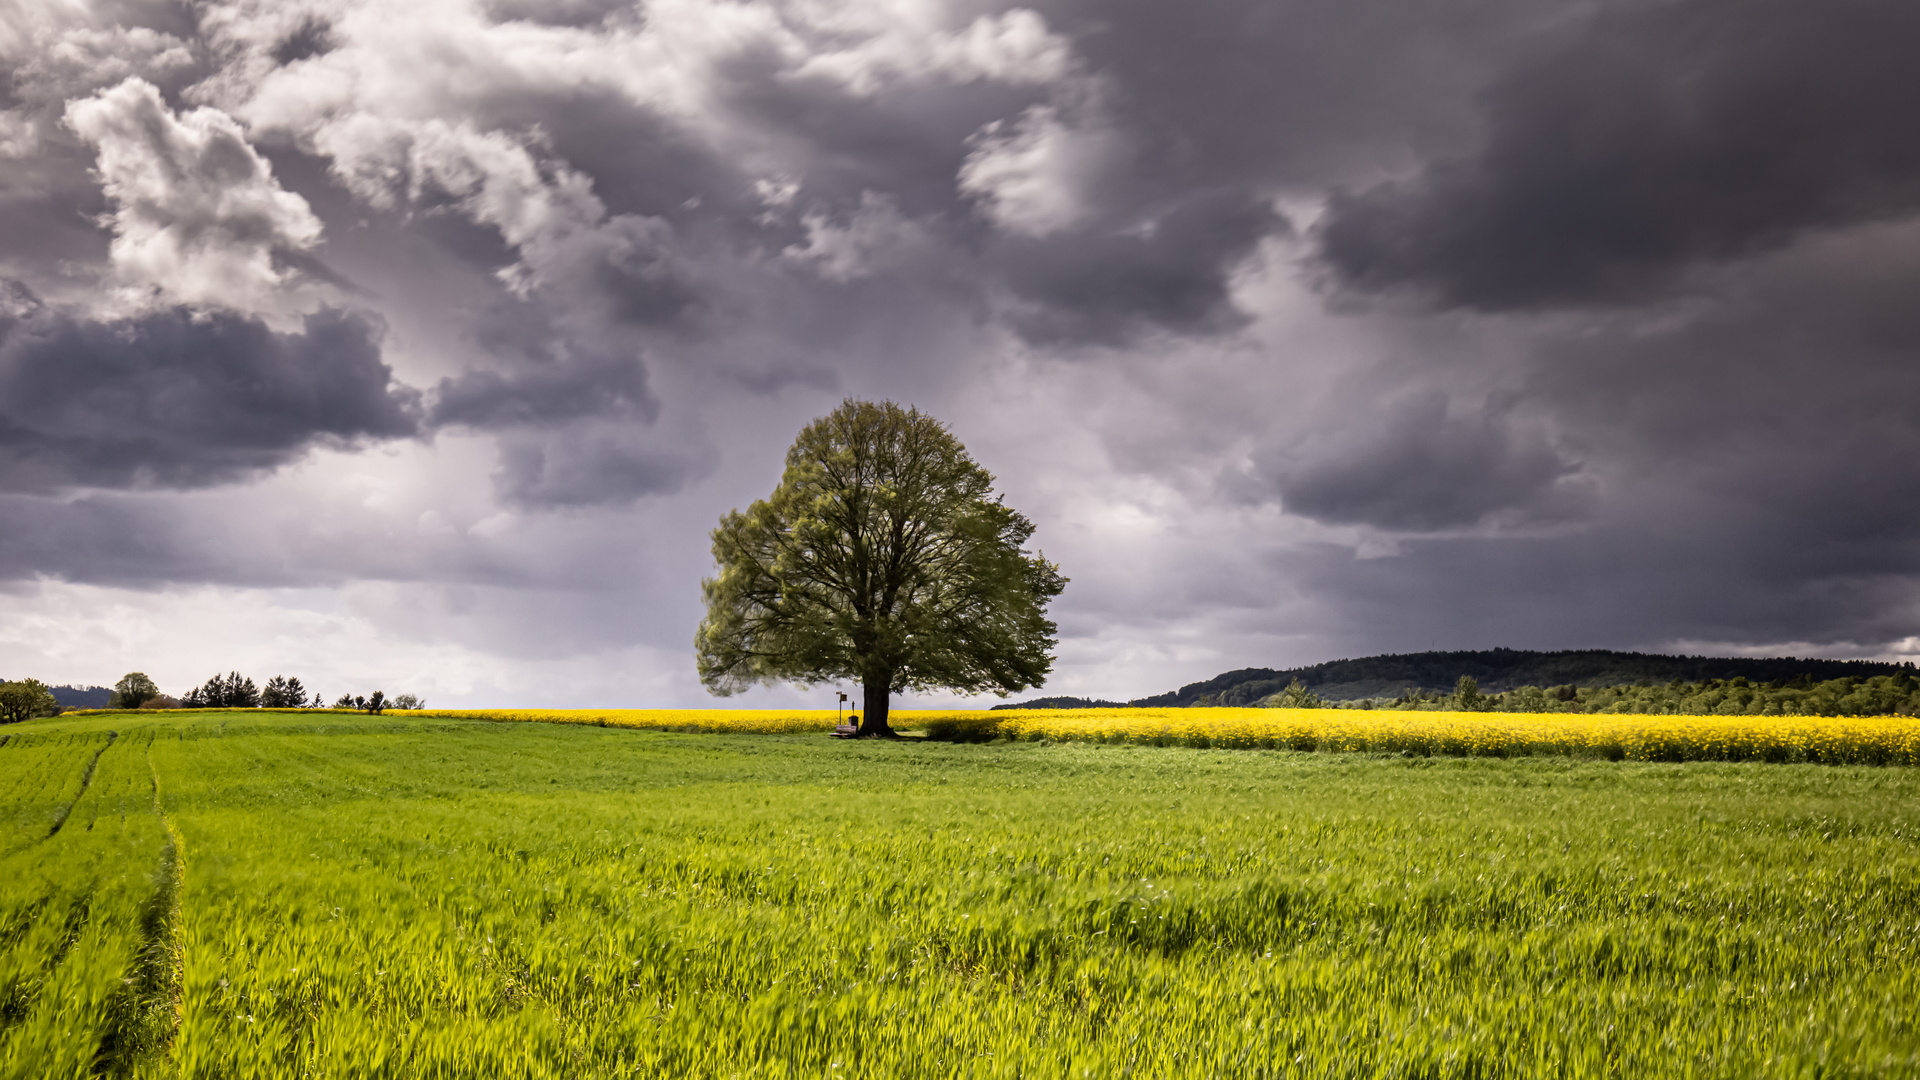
<point>883,557</point>
<point>132,691</point>
<point>1467,696</point>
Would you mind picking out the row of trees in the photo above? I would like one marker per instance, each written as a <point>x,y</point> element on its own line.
<point>235,691</point>
<point>1880,695</point>
<point>24,699</point>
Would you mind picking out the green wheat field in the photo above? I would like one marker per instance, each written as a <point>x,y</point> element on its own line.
<point>262,895</point>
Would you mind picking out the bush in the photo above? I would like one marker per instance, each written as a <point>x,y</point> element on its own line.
<point>964,729</point>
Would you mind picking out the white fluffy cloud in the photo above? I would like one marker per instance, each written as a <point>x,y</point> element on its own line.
<point>77,59</point>
<point>548,214</point>
<point>874,238</point>
<point>906,41</point>
<point>1040,174</point>
<point>55,52</point>
<point>197,214</point>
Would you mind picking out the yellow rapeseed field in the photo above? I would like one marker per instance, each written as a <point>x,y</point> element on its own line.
<point>1857,740</point>
<point>1864,740</point>
<point>724,721</point>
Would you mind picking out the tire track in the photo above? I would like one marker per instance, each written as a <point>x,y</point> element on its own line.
<point>86,781</point>
<point>148,1009</point>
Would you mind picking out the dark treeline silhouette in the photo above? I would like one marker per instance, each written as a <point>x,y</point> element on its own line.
<point>1877,695</point>
<point>1896,694</point>
<point>234,691</point>
<point>230,692</point>
<point>82,697</point>
<point>1497,671</point>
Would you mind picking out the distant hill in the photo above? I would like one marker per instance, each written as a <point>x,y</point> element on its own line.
<point>1062,703</point>
<point>1496,670</point>
<point>81,697</point>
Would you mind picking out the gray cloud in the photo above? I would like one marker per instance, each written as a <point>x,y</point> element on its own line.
<point>177,399</point>
<point>593,464</point>
<point>1670,134</point>
<point>1421,467</point>
<point>313,37</point>
<point>557,390</point>
<point>1296,94</point>
<point>1167,271</point>
<point>1660,393</point>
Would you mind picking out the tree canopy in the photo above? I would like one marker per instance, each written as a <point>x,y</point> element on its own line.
<point>132,691</point>
<point>24,699</point>
<point>231,692</point>
<point>282,692</point>
<point>883,557</point>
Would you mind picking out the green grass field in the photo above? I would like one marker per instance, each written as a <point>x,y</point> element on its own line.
<point>222,895</point>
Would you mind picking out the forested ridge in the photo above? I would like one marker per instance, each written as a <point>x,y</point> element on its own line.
<point>1576,679</point>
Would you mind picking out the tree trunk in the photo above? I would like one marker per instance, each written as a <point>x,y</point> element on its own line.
<point>873,715</point>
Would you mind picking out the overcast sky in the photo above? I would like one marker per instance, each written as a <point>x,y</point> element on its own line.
<point>418,344</point>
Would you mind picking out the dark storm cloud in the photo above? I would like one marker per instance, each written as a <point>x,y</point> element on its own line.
<point>1152,253</point>
<point>1296,94</point>
<point>592,464</point>
<point>311,38</point>
<point>1169,272</point>
<point>1669,135</point>
<point>112,540</point>
<point>641,162</point>
<point>640,277</point>
<point>636,249</point>
<point>1788,414</point>
<point>301,537</point>
<point>1645,585</point>
<point>554,12</point>
<point>908,143</point>
<point>548,392</point>
<point>1421,467</point>
<point>180,399</point>
<point>1755,469</point>
<point>573,421</point>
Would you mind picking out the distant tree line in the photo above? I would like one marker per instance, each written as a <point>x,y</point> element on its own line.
<point>1879,695</point>
<point>1497,671</point>
<point>377,702</point>
<point>24,699</point>
<point>234,691</point>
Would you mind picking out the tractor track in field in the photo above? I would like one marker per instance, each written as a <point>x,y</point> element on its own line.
<point>149,1007</point>
<point>160,926</point>
<point>86,781</point>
